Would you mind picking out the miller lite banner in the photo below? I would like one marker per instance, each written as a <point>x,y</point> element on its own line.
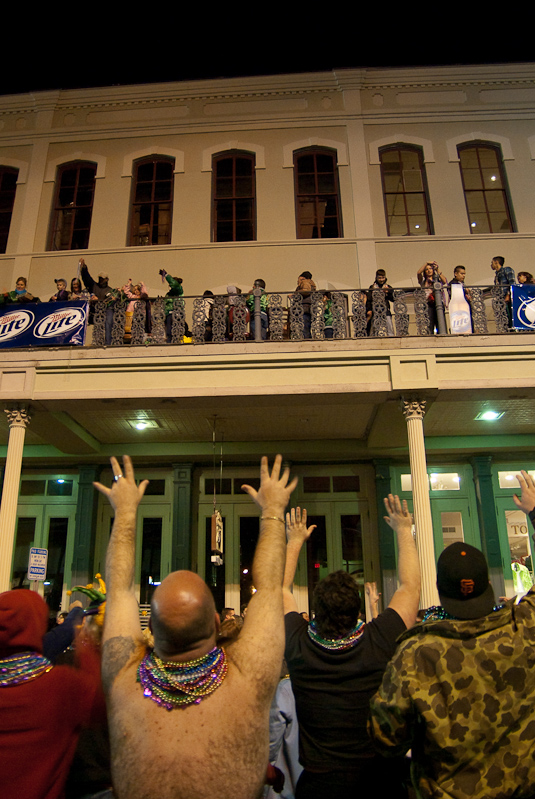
<point>43,324</point>
<point>523,298</point>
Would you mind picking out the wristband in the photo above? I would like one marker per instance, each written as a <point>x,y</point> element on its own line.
<point>275,519</point>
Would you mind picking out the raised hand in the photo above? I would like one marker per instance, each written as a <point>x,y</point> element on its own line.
<point>296,525</point>
<point>124,494</point>
<point>527,498</point>
<point>275,490</point>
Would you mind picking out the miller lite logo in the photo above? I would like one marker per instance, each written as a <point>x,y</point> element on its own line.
<point>14,323</point>
<point>55,324</point>
<point>467,587</point>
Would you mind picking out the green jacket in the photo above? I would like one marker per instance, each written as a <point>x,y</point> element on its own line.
<point>461,695</point>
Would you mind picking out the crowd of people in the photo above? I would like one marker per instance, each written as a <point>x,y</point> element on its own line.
<point>430,278</point>
<point>270,702</point>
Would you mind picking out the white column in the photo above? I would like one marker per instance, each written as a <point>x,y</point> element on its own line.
<point>414,411</point>
<point>18,419</point>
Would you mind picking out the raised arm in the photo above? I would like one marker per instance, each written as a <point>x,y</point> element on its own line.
<point>298,533</point>
<point>122,630</point>
<point>259,649</point>
<point>407,597</point>
<point>527,497</point>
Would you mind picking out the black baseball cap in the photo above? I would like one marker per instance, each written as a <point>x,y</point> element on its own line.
<point>463,582</point>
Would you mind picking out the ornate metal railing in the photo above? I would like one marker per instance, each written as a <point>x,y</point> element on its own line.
<point>320,315</point>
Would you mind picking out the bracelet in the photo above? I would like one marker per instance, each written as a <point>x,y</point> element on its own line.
<point>275,519</point>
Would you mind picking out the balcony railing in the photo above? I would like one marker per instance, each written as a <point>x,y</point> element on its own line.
<point>290,316</point>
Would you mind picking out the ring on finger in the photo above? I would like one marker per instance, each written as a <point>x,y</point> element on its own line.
<point>117,477</point>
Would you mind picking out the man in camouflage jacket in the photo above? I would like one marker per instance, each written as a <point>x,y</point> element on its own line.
<point>460,691</point>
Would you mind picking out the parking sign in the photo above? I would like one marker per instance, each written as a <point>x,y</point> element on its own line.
<point>37,563</point>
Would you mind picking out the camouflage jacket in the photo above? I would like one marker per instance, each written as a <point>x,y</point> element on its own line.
<point>461,694</point>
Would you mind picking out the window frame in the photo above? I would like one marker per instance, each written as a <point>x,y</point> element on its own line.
<point>503,189</point>
<point>404,194</point>
<point>154,202</point>
<point>234,198</point>
<point>57,224</point>
<point>6,211</point>
<point>317,195</point>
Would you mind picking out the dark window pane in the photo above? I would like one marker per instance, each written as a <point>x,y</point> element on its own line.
<point>316,485</point>
<point>485,188</point>
<point>350,482</point>
<point>151,556</point>
<point>55,488</point>
<point>223,486</point>
<point>32,488</point>
<point>233,179</point>
<point>405,191</point>
<point>317,195</point>
<point>73,207</point>
<point>152,192</point>
<point>155,488</point>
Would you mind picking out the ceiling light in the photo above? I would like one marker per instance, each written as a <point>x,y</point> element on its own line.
<point>489,416</point>
<point>143,424</point>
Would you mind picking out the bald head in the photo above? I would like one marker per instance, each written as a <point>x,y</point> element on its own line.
<point>183,615</point>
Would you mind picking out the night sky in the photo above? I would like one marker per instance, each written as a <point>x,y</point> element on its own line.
<point>57,55</point>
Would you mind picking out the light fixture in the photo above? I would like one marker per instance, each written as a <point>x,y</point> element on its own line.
<point>143,424</point>
<point>489,416</point>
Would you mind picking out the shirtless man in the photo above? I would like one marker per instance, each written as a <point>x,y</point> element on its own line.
<point>183,753</point>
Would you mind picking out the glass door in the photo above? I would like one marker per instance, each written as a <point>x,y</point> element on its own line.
<point>517,547</point>
<point>453,521</point>
<point>153,547</point>
<point>48,527</point>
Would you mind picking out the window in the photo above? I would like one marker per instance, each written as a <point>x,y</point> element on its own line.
<point>8,187</point>
<point>407,208</point>
<point>152,201</point>
<point>73,206</point>
<point>317,196</point>
<point>485,188</point>
<point>234,197</point>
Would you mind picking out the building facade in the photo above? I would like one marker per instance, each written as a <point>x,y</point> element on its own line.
<point>223,182</point>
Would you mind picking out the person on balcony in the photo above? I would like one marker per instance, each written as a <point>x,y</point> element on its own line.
<point>61,295</point>
<point>525,277</point>
<point>20,294</point>
<point>427,276</point>
<point>305,286</point>
<point>380,282</point>
<point>264,302</point>
<point>100,291</point>
<point>504,276</point>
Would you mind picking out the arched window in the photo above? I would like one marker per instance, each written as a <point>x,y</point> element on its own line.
<point>407,208</point>
<point>317,195</point>
<point>233,196</point>
<point>152,201</point>
<point>485,188</point>
<point>8,187</point>
<point>73,206</point>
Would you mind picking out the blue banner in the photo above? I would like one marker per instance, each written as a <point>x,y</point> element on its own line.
<point>523,297</point>
<point>44,324</point>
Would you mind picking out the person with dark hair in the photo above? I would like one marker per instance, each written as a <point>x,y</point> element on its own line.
<point>175,710</point>
<point>504,276</point>
<point>380,283</point>
<point>525,277</point>
<point>336,663</point>
<point>305,286</point>
<point>460,690</point>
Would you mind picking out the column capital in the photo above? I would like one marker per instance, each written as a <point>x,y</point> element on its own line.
<point>18,416</point>
<point>413,408</point>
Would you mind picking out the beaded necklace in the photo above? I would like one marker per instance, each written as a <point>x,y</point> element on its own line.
<point>22,667</point>
<point>171,684</point>
<point>336,644</point>
<point>438,613</point>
